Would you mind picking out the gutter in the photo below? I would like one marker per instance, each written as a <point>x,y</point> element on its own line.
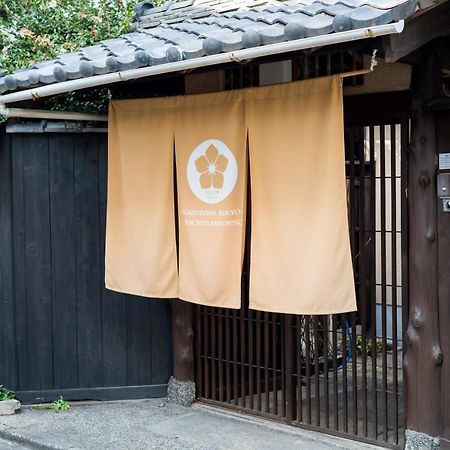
<point>204,61</point>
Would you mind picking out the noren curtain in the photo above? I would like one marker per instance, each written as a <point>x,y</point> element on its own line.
<point>300,249</point>
<point>141,255</point>
<point>300,260</point>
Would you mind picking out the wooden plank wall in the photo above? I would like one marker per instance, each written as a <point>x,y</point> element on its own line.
<point>61,331</point>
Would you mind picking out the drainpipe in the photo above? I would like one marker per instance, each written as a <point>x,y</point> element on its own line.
<point>204,61</point>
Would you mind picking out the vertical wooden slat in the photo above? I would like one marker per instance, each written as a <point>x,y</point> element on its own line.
<point>243,356</point>
<point>220,320</point>
<point>87,256</point>
<point>383,279</point>
<point>362,261</point>
<point>353,242</point>
<point>199,351</point>
<point>335,375</point>
<point>206,358</point>
<point>250,356</point>
<point>317,349</point>
<point>9,372</point>
<point>228,356</point>
<point>212,318</point>
<point>394,281</point>
<point>374,383</point>
<point>275,357</point>
<point>298,353</point>
<point>235,359</point>
<point>326,361</point>
<point>266,362</point>
<point>307,338</point>
<point>258,361</point>
<point>20,303</point>
<point>344,348</point>
<point>289,362</point>
<point>38,280</point>
<point>64,289</point>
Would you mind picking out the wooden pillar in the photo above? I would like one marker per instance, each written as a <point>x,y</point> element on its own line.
<point>443,145</point>
<point>423,355</point>
<point>183,336</point>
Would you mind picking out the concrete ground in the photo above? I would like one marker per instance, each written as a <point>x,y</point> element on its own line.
<point>154,424</point>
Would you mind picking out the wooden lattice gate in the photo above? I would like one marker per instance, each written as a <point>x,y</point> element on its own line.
<point>342,373</point>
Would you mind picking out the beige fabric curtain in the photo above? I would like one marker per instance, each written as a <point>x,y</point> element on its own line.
<point>141,254</point>
<point>300,251</point>
<point>210,143</point>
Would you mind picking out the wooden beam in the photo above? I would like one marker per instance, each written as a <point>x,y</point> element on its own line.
<point>183,337</point>
<point>363,110</point>
<point>423,354</point>
<point>420,30</point>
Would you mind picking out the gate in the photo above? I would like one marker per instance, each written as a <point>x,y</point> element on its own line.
<point>341,374</point>
<point>61,331</point>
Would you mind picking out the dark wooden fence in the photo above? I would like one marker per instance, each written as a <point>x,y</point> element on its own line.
<point>61,331</point>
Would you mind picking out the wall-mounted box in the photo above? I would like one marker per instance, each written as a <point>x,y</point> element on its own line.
<point>443,185</point>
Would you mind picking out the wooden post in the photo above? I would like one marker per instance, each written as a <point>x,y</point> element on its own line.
<point>423,356</point>
<point>443,145</point>
<point>183,335</point>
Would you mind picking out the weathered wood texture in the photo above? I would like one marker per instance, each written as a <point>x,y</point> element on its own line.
<point>426,26</point>
<point>423,356</point>
<point>443,146</point>
<point>60,329</point>
<point>183,340</point>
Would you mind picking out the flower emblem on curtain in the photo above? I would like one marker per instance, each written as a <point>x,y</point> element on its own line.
<point>211,167</point>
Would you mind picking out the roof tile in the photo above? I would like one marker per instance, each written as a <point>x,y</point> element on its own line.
<point>194,28</point>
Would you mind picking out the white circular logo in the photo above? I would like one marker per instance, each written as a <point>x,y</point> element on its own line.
<point>212,171</point>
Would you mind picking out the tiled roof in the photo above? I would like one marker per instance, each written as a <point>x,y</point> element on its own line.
<point>194,28</point>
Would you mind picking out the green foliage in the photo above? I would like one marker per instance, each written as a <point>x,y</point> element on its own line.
<point>36,30</point>
<point>5,394</point>
<point>57,405</point>
<point>369,350</point>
